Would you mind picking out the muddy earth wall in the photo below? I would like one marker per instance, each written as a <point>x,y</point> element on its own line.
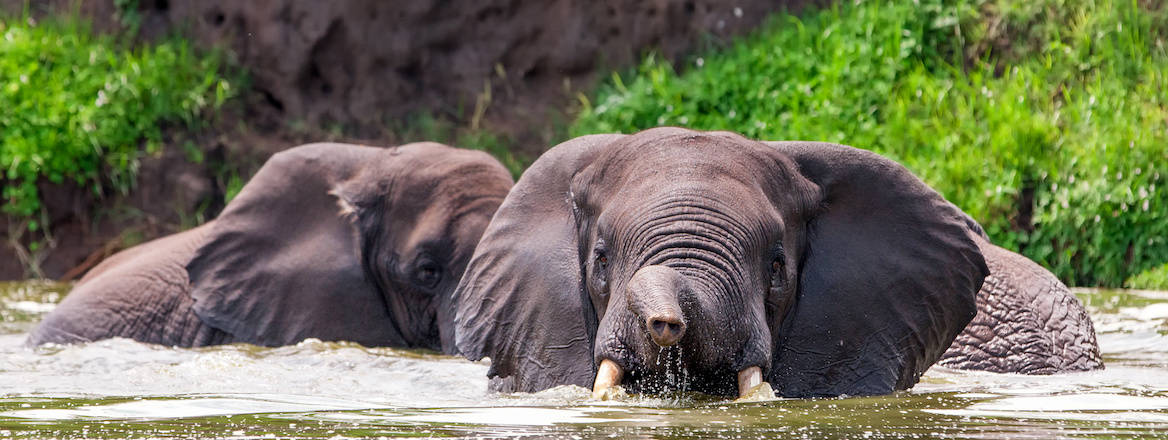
<point>363,68</point>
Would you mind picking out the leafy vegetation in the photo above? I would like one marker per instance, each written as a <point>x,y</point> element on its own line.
<point>1156,279</point>
<point>82,108</point>
<point>1045,120</point>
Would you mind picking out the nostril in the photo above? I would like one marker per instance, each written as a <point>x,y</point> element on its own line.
<point>666,328</point>
<point>666,331</point>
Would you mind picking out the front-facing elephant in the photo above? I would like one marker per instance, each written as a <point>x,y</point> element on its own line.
<point>327,241</point>
<point>673,259</point>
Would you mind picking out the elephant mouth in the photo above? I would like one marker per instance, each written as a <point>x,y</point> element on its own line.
<point>641,366</point>
<point>610,374</point>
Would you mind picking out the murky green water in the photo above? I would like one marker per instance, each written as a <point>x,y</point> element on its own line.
<point>123,389</point>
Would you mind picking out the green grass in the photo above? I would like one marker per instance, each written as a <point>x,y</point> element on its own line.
<point>1156,278</point>
<point>82,108</point>
<point>1056,107</point>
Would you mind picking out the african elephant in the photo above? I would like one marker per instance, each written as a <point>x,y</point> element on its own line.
<point>327,241</point>
<point>675,259</point>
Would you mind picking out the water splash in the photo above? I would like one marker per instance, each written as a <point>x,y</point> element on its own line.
<point>120,389</point>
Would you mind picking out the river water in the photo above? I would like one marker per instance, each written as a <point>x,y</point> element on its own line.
<point>123,389</point>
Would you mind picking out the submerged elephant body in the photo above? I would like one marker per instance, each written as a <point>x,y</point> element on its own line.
<point>327,241</point>
<point>679,260</point>
<point>1027,322</point>
<point>132,295</point>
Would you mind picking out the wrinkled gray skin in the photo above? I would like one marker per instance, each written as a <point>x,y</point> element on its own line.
<point>328,241</point>
<point>1027,322</point>
<point>685,257</point>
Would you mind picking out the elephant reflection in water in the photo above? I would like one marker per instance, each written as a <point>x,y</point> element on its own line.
<point>675,259</point>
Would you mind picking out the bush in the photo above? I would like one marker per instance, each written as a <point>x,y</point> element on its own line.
<point>1044,120</point>
<point>1152,279</point>
<point>75,107</point>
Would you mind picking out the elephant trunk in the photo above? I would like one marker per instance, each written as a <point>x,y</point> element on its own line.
<point>653,294</point>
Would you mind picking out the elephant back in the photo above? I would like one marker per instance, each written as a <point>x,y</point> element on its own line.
<point>1027,322</point>
<point>141,293</point>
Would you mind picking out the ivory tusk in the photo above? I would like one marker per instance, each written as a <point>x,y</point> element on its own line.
<point>748,378</point>
<point>607,376</point>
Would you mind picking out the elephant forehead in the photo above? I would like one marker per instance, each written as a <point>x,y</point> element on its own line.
<point>696,207</point>
<point>459,223</point>
<point>452,180</point>
<point>682,159</point>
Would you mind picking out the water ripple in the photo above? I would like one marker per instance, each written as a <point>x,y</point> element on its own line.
<point>120,388</point>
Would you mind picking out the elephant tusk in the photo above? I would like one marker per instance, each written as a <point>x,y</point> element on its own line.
<point>608,376</point>
<point>748,379</point>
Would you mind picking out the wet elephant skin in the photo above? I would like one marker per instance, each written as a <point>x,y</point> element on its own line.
<point>327,241</point>
<point>682,259</point>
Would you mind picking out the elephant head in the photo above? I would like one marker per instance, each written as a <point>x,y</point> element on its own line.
<point>673,259</point>
<point>346,242</point>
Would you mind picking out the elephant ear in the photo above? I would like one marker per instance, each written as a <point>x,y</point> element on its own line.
<point>887,280</point>
<point>521,301</point>
<point>283,261</point>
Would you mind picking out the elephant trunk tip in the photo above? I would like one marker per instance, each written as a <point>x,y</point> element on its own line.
<point>666,330</point>
<point>653,293</point>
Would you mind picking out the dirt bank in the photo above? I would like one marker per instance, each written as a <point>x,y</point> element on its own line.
<point>360,70</point>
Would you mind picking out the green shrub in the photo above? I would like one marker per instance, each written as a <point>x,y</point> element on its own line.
<point>1044,120</point>
<point>1151,279</point>
<point>77,107</point>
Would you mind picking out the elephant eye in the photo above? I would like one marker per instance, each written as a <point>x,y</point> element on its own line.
<point>600,272</point>
<point>778,266</point>
<point>601,256</point>
<point>428,274</point>
<point>778,271</point>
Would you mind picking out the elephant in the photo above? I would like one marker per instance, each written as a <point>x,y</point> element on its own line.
<point>328,241</point>
<point>673,259</point>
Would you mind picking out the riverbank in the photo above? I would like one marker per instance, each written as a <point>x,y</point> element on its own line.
<point>1044,120</point>
<point>494,75</point>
